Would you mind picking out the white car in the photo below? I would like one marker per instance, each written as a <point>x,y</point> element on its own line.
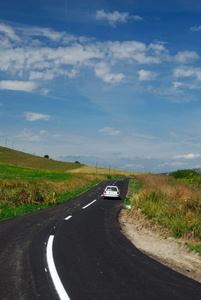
<point>111,191</point>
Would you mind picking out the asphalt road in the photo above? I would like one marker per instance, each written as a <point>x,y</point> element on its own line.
<point>93,259</point>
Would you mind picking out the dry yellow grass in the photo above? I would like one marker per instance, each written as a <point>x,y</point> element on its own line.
<point>99,170</point>
<point>171,203</point>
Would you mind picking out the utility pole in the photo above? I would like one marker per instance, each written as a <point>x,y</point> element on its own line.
<point>96,167</point>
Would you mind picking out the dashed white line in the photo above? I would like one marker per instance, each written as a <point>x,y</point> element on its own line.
<point>89,204</point>
<point>53,272</point>
<point>51,265</point>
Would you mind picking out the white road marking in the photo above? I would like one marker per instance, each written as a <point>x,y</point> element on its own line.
<point>67,218</point>
<point>53,272</point>
<point>89,204</point>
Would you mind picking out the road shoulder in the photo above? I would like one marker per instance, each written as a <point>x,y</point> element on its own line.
<point>167,250</point>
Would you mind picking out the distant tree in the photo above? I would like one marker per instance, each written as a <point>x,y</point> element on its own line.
<point>77,162</point>
<point>46,156</point>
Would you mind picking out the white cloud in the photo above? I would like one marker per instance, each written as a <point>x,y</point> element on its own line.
<point>186,57</point>
<point>26,86</point>
<point>146,75</point>
<point>115,17</point>
<point>142,58</point>
<point>174,164</point>
<point>187,156</point>
<point>187,72</point>
<point>49,75</point>
<point>47,63</point>
<point>177,84</point>
<point>158,47</point>
<point>45,91</point>
<point>43,32</point>
<point>30,116</point>
<point>28,136</point>
<point>144,136</point>
<point>109,60</point>
<point>132,50</point>
<point>34,61</point>
<point>44,132</point>
<point>133,166</point>
<point>9,32</point>
<point>125,50</point>
<point>102,70</point>
<point>109,131</point>
<point>195,28</point>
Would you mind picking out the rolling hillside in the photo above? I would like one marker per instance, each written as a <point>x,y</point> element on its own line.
<point>21,159</point>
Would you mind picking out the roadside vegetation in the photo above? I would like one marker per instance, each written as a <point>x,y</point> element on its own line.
<point>25,188</point>
<point>173,202</point>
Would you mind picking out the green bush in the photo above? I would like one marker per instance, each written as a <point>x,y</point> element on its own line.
<point>189,176</point>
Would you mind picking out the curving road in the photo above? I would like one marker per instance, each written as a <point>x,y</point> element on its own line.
<point>81,238</point>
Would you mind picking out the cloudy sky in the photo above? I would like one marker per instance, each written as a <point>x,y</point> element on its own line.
<point>113,82</point>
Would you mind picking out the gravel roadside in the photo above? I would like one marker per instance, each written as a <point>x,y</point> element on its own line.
<point>152,241</point>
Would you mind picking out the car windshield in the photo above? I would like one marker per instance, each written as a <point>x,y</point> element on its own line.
<point>112,189</point>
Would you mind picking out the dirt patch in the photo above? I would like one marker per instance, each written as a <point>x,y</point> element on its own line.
<point>155,242</point>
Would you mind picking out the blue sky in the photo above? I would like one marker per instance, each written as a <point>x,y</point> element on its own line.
<point>112,82</point>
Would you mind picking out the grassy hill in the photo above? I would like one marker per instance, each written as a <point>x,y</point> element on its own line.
<point>21,159</point>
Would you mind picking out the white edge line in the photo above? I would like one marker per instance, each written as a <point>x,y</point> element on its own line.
<point>53,272</point>
<point>89,204</point>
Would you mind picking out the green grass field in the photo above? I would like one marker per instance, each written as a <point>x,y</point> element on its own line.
<point>29,183</point>
<point>15,172</point>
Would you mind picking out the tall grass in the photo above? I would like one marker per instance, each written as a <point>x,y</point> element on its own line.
<point>18,197</point>
<point>171,203</point>
<point>24,190</point>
